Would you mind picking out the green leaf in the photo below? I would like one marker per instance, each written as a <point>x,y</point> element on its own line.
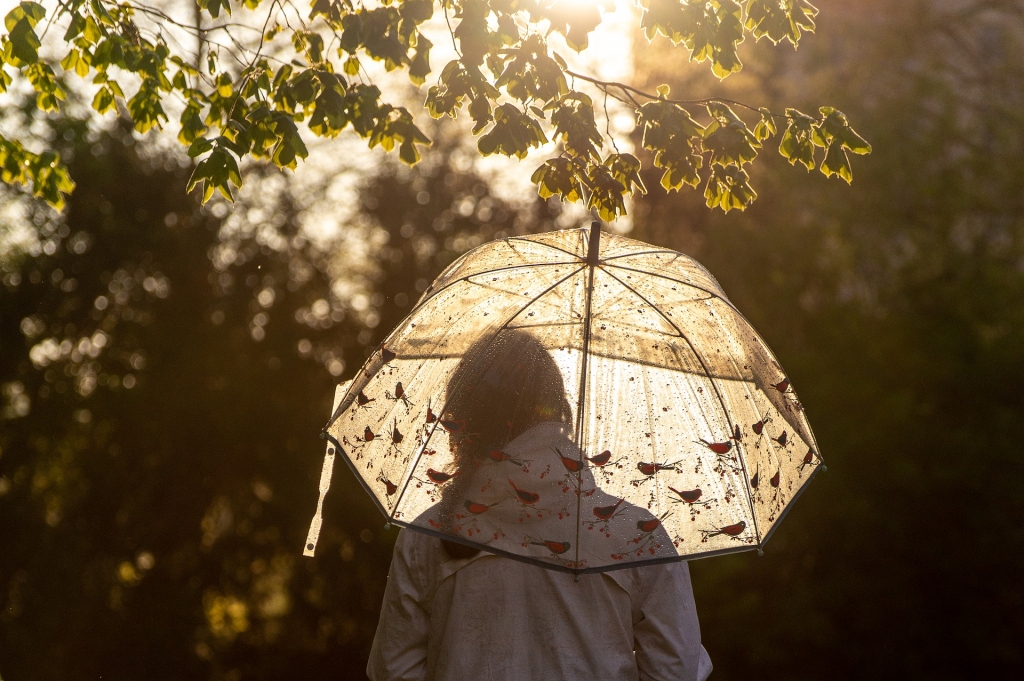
<point>728,138</point>
<point>836,161</point>
<point>192,126</point>
<point>780,20</point>
<point>213,7</point>
<point>606,192</point>
<point>30,12</point>
<point>513,134</point>
<point>104,100</point>
<point>797,144</point>
<point>199,146</point>
<point>92,31</point>
<point>573,118</point>
<point>626,169</point>
<point>729,187</point>
<point>561,177</point>
<point>765,128</point>
<point>75,27</point>
<point>216,172</point>
<point>22,45</point>
<point>70,60</point>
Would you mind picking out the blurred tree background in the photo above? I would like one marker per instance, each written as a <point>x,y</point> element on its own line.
<point>165,368</point>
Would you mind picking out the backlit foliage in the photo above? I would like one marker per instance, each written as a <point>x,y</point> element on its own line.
<point>242,101</point>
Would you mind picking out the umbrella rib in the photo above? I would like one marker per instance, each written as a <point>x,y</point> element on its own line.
<point>481,272</point>
<point>718,394</point>
<point>582,404</point>
<point>678,281</point>
<point>541,243</point>
<point>630,255</point>
<point>812,441</point>
<point>494,337</point>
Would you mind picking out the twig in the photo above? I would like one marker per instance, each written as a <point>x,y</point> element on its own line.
<point>627,89</point>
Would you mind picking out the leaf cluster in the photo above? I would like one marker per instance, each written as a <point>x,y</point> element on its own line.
<point>519,93</point>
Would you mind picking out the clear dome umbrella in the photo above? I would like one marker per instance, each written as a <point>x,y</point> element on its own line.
<point>578,400</point>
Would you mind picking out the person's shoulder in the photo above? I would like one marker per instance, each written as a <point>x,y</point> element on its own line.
<point>646,577</point>
<point>417,546</point>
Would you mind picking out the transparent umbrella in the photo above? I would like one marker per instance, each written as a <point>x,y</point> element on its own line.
<point>578,400</point>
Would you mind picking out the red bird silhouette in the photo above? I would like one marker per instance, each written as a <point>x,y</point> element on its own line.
<point>652,468</point>
<point>782,386</point>
<point>717,447</point>
<point>737,434</point>
<point>571,465</point>
<point>389,486</point>
<point>431,416</point>
<point>553,546</point>
<point>775,478</point>
<point>729,530</point>
<point>499,456</point>
<point>386,354</point>
<point>524,496</point>
<point>396,435</point>
<point>690,496</point>
<point>440,477</point>
<point>601,459</point>
<point>782,439</point>
<point>453,426</point>
<point>368,434</point>
<point>756,480</point>
<point>606,512</point>
<point>808,459</point>
<point>476,508</point>
<point>362,399</point>
<point>399,391</point>
<point>648,525</point>
<point>759,426</point>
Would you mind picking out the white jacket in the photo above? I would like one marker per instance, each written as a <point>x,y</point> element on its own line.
<point>489,618</point>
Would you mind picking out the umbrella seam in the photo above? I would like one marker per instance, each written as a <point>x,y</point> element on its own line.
<point>556,567</point>
<point>581,400</point>
<point>718,394</point>
<point>497,331</point>
<point>812,440</point>
<point>721,296</point>
<point>630,255</point>
<point>543,243</point>
<point>477,274</point>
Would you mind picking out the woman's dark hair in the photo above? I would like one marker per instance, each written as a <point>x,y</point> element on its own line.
<point>504,385</point>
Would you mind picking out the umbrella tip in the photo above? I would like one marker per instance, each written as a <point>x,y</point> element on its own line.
<point>595,243</point>
<point>576,578</point>
<point>760,552</point>
<point>323,435</point>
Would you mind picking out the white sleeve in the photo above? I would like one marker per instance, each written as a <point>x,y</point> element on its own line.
<point>667,633</point>
<point>399,651</point>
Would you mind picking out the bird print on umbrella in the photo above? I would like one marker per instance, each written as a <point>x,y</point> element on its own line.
<point>571,465</point>
<point>808,460</point>
<point>499,456</point>
<point>603,515</point>
<point>693,498</point>
<point>399,395</point>
<point>671,396</point>
<point>524,496</point>
<point>733,531</point>
<point>650,469</point>
<point>556,547</point>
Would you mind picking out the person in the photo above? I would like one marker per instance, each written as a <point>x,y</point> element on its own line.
<point>452,612</point>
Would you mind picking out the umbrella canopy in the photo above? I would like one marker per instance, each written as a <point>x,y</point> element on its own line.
<point>578,400</point>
